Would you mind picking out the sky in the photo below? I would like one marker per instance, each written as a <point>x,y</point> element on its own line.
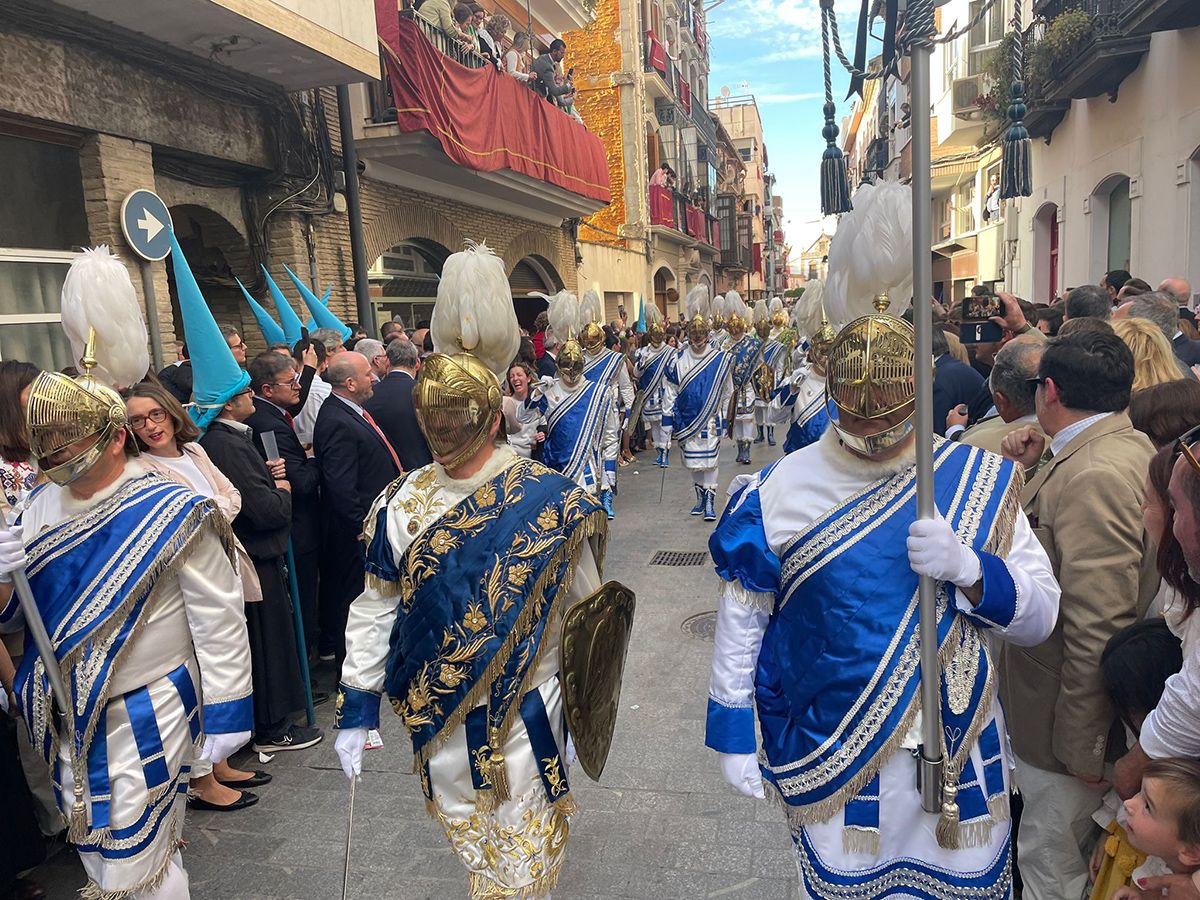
<point>772,49</point>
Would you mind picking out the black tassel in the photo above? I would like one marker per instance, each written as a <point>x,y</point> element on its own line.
<point>1015,175</point>
<point>835,182</point>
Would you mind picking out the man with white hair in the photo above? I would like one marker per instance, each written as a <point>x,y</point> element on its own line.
<point>1179,288</point>
<point>376,356</point>
<point>1162,309</point>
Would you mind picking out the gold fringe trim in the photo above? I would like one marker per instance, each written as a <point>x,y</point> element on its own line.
<point>93,891</point>
<point>486,800</point>
<point>593,524</point>
<point>566,805</point>
<point>998,808</point>
<point>860,840</point>
<point>485,888</point>
<point>1004,525</point>
<point>382,587</point>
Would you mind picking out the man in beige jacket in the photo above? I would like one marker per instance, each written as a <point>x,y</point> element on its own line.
<point>1083,500</point>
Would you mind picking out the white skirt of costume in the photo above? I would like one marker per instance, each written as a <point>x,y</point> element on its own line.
<point>148,790</point>
<point>517,849</point>
<point>701,450</point>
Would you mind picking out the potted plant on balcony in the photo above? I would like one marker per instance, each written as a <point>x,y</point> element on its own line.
<point>1064,36</point>
<point>997,76</point>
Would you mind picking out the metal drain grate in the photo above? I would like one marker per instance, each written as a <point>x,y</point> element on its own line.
<point>679,558</point>
<point>702,626</point>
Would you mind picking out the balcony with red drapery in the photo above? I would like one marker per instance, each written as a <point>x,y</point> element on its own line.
<point>485,121</point>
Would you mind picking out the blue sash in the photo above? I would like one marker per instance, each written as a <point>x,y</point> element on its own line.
<point>478,587</point>
<point>574,430</point>
<point>744,357</point>
<point>838,677</point>
<point>809,425</point>
<point>93,577</point>
<point>771,351</point>
<point>651,377</point>
<point>603,369</point>
<point>699,395</point>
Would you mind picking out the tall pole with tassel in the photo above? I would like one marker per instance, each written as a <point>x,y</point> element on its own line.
<point>835,183</point>
<point>920,28</point>
<point>1015,173</point>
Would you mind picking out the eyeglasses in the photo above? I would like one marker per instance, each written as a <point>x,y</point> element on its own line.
<point>157,415</point>
<point>1034,383</point>
<point>1183,444</point>
<point>295,380</point>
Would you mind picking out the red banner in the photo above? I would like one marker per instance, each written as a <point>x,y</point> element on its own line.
<point>714,228</point>
<point>662,206</point>
<point>484,119</point>
<point>657,57</point>
<point>695,222</point>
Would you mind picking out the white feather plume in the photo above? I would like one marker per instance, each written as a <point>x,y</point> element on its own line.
<point>806,313</point>
<point>563,313</point>
<point>871,253</point>
<point>696,302</point>
<point>762,311</point>
<point>474,309</point>
<point>98,294</point>
<point>653,314</point>
<point>776,305</point>
<point>591,309</point>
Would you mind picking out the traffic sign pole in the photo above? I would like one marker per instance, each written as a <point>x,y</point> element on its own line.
<point>156,347</point>
<point>146,224</point>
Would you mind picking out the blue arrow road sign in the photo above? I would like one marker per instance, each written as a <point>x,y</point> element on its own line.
<point>146,224</point>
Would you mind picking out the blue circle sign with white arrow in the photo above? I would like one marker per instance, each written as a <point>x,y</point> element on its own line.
<point>146,224</point>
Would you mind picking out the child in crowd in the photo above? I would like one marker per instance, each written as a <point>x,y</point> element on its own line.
<point>1135,666</point>
<point>1163,822</point>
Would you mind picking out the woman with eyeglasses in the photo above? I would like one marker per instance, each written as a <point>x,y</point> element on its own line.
<point>167,437</point>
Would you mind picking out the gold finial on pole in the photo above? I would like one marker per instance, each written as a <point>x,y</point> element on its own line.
<point>881,302</point>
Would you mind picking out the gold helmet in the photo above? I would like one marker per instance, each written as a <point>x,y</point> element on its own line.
<point>655,329</point>
<point>696,305</point>
<point>820,343</point>
<point>64,412</point>
<point>590,315</point>
<point>870,374</point>
<point>457,400</point>
<point>762,319</point>
<point>103,320</point>
<point>570,362</point>
<point>778,317</point>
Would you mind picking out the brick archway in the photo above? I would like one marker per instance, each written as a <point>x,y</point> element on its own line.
<point>532,242</point>
<point>404,221</point>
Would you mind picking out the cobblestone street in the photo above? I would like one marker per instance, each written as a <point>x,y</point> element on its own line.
<point>661,823</point>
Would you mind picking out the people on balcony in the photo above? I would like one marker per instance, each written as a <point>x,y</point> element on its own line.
<point>545,68</point>
<point>438,14</point>
<point>491,39</point>
<point>462,20</point>
<point>516,57</point>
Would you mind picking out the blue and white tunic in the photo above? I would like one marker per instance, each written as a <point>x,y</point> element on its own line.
<point>816,633</point>
<point>800,402</point>
<point>651,368</point>
<point>164,654</point>
<point>582,437</point>
<point>701,387</point>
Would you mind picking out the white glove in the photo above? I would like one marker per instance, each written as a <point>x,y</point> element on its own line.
<point>12,552</point>
<point>571,754</point>
<point>741,770</point>
<point>349,745</point>
<point>935,550</point>
<point>218,747</point>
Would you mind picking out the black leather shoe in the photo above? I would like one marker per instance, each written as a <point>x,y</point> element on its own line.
<point>259,779</point>
<point>246,799</point>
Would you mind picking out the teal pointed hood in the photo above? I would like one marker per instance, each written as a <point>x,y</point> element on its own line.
<point>322,314</point>
<point>216,376</point>
<point>311,325</point>
<point>269,327</point>
<point>287,316</point>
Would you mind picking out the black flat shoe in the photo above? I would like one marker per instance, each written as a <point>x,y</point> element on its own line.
<point>245,800</point>
<point>257,780</point>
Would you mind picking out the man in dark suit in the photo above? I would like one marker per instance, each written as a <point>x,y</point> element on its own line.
<point>177,377</point>
<point>357,462</point>
<point>1163,311</point>
<point>954,382</point>
<point>548,364</point>
<point>263,527</point>
<point>391,405</point>
<point>545,68</point>
<point>276,388</point>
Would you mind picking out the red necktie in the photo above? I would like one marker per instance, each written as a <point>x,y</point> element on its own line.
<point>291,421</point>
<point>386,442</point>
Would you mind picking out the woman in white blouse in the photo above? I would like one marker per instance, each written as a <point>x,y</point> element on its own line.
<point>167,436</point>
<point>521,437</point>
<point>515,62</point>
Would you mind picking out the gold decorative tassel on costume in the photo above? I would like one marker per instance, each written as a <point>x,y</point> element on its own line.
<point>77,830</point>
<point>498,776</point>
<point>948,836</point>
